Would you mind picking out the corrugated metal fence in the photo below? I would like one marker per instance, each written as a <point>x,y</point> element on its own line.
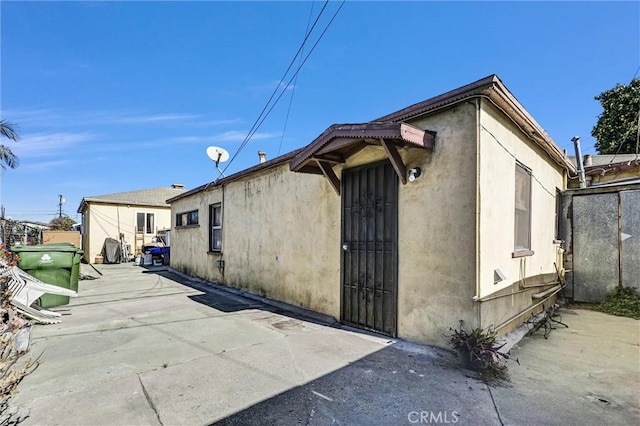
<point>601,231</point>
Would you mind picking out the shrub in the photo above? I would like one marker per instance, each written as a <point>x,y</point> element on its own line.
<point>478,349</point>
<point>623,301</point>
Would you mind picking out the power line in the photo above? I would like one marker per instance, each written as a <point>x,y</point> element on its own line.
<point>293,90</point>
<point>289,82</point>
<point>516,158</point>
<point>278,86</point>
<point>261,120</point>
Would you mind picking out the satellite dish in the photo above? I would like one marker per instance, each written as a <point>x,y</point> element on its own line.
<point>217,154</point>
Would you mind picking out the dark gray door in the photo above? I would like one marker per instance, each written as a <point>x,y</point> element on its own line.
<point>606,243</point>
<point>369,247</point>
<point>595,246</point>
<point>630,238</point>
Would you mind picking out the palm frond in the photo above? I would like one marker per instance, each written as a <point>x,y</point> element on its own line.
<point>8,130</point>
<point>8,158</point>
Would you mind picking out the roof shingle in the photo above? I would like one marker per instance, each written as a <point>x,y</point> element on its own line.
<point>145,197</point>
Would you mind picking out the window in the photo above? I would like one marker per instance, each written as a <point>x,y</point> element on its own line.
<point>523,210</point>
<point>145,223</point>
<point>188,218</point>
<point>215,221</point>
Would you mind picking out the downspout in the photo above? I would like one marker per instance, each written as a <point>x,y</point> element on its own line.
<point>221,258</point>
<point>478,205</point>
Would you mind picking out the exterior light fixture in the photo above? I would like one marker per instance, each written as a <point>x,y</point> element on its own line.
<point>414,173</point>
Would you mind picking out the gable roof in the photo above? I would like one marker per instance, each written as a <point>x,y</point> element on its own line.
<point>154,197</point>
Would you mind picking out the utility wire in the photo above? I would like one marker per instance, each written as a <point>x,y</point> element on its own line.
<point>278,86</point>
<point>288,83</point>
<point>293,89</point>
<point>516,158</point>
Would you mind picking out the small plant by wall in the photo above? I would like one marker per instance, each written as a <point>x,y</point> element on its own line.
<point>478,349</point>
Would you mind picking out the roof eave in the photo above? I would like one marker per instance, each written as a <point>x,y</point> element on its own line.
<point>352,133</point>
<point>490,87</point>
<point>501,97</point>
<point>238,175</point>
<point>86,201</point>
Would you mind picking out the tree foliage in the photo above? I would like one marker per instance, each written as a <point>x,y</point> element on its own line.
<point>616,131</point>
<point>7,157</point>
<point>64,223</point>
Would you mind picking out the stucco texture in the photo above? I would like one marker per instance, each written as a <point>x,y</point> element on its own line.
<point>190,244</point>
<point>280,238</point>
<point>437,231</point>
<point>101,221</point>
<point>281,230</point>
<point>501,145</point>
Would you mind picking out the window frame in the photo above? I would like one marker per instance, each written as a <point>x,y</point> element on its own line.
<point>215,227</point>
<point>145,224</point>
<point>522,196</point>
<point>191,217</point>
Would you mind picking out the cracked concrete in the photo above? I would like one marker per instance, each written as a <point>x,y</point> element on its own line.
<point>152,348</point>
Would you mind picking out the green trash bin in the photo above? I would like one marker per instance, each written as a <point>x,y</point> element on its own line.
<point>75,270</point>
<point>52,264</point>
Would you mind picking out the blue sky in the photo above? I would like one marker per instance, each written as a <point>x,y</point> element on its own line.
<point>118,96</point>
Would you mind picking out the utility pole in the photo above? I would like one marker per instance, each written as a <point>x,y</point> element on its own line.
<point>60,203</point>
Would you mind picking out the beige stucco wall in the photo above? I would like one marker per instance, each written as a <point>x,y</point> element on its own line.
<point>437,224</point>
<point>281,230</point>
<point>281,233</point>
<point>190,244</point>
<point>280,238</point>
<point>501,143</point>
<point>109,220</point>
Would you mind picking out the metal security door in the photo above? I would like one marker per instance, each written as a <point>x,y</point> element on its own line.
<point>369,247</point>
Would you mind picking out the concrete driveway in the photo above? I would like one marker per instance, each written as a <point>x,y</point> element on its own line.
<point>148,347</point>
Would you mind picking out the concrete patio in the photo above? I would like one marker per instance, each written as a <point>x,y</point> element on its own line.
<point>150,347</point>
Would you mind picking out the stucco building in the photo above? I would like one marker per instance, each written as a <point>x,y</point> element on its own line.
<point>443,211</point>
<point>138,215</point>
